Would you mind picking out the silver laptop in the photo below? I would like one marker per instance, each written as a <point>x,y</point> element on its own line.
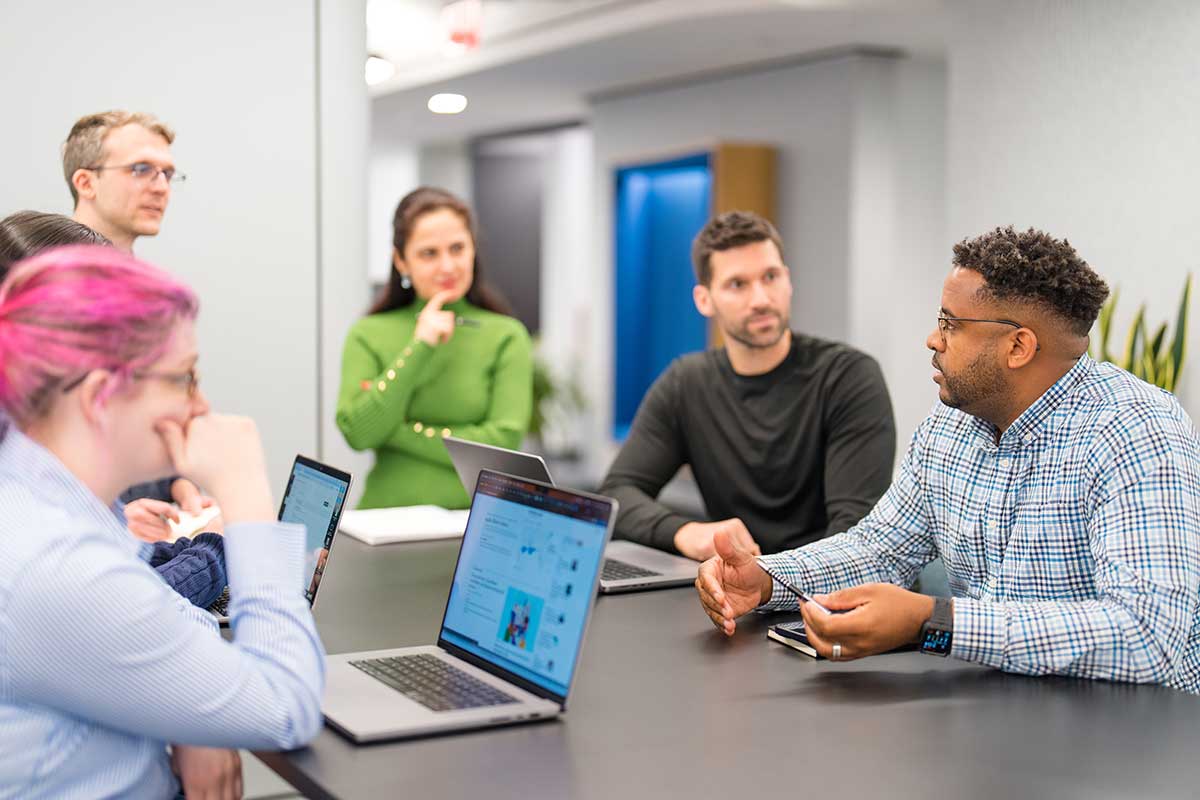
<point>523,590</point>
<point>314,498</point>
<point>629,566</point>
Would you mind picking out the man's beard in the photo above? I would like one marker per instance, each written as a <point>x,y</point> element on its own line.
<point>976,382</point>
<point>743,335</point>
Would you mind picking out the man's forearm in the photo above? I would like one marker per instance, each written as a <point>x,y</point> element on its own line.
<point>643,519</point>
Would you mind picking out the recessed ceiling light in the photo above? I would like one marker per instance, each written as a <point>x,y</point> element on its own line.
<point>378,70</point>
<point>447,103</point>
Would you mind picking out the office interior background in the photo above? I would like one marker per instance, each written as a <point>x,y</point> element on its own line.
<point>899,128</point>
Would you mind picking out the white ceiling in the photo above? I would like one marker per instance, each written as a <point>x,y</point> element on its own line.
<point>542,62</point>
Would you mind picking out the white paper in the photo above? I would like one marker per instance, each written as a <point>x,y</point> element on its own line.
<point>190,525</point>
<point>403,524</point>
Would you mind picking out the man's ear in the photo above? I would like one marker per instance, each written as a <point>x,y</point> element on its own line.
<point>84,181</point>
<point>703,300</point>
<point>1023,346</point>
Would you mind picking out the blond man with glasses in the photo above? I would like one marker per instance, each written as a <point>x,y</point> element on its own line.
<point>119,169</point>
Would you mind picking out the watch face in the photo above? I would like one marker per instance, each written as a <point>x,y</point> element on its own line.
<point>936,642</point>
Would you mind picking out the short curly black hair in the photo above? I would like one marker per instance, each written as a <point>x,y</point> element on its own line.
<point>725,232</point>
<point>1033,267</point>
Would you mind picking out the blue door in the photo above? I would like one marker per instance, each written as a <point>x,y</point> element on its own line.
<point>659,210</point>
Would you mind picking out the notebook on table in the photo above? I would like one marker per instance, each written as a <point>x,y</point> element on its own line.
<point>628,566</point>
<point>522,593</point>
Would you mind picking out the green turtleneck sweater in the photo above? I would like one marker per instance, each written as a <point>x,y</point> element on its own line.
<point>400,397</point>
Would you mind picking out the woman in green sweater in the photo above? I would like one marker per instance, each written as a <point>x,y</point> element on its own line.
<point>436,356</point>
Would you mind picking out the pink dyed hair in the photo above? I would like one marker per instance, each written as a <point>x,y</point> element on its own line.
<point>71,310</point>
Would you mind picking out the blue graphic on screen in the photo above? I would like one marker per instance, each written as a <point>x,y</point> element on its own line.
<point>525,577</point>
<point>312,499</point>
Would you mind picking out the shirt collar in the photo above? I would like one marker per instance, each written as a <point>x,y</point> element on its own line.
<point>1038,417</point>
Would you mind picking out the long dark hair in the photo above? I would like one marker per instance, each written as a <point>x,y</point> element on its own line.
<point>413,206</point>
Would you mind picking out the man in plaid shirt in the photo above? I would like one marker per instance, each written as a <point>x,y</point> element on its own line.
<point>1062,494</point>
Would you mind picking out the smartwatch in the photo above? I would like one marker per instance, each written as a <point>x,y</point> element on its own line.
<point>937,633</point>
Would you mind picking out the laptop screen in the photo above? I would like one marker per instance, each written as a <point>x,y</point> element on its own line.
<point>525,578</point>
<point>313,498</point>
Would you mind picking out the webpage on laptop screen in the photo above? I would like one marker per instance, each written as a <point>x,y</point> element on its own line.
<point>312,499</point>
<point>522,588</point>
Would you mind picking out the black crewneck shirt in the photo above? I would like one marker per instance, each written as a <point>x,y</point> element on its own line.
<point>798,453</point>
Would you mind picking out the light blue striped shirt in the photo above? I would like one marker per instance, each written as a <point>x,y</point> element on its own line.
<point>1072,545</point>
<point>102,665</point>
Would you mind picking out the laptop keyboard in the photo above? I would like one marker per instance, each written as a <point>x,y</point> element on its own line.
<point>618,571</point>
<point>220,606</point>
<point>432,682</point>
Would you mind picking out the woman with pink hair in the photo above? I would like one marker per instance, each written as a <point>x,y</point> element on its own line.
<point>102,664</point>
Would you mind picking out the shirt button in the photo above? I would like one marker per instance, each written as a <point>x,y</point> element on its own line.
<point>991,523</point>
<point>418,427</point>
<point>1005,463</point>
<point>391,373</point>
<point>382,385</point>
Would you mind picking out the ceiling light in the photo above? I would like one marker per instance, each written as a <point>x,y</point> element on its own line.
<point>447,103</point>
<point>378,70</point>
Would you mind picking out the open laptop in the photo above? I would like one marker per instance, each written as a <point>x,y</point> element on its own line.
<point>523,590</point>
<point>629,566</point>
<point>314,498</point>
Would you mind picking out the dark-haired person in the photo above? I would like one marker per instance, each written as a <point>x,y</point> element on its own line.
<point>790,437</point>
<point>437,356</point>
<point>193,567</point>
<point>1063,496</point>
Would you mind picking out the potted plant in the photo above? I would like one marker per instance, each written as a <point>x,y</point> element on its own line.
<point>1151,358</point>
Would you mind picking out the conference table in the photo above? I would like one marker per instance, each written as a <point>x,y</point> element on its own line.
<point>663,705</point>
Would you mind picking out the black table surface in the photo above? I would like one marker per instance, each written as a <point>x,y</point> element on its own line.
<point>665,706</point>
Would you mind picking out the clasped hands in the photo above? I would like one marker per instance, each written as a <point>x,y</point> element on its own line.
<point>877,616</point>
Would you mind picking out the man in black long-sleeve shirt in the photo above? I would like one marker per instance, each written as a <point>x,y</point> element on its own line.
<point>790,437</point>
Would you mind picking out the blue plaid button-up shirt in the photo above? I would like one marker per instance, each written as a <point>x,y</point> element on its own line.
<point>1072,545</point>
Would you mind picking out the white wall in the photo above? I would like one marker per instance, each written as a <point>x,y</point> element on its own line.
<point>1082,117</point>
<point>898,254</point>
<point>568,236</point>
<point>344,127</point>
<point>393,173</point>
<point>237,82</point>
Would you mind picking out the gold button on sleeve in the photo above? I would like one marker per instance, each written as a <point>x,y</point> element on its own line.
<point>430,433</point>
<point>417,428</point>
<point>407,352</point>
<point>445,432</point>
<point>391,374</point>
<point>382,385</point>
<point>400,363</point>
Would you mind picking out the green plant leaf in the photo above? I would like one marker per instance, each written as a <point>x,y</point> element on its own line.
<point>1106,314</point>
<point>1179,344</point>
<point>1132,361</point>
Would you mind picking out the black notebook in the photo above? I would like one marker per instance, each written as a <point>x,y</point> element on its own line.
<point>792,634</point>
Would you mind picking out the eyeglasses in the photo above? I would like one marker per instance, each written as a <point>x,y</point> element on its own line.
<point>144,171</point>
<point>188,381</point>
<point>944,321</point>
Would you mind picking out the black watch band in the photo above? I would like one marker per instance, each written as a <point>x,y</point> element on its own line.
<point>937,634</point>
